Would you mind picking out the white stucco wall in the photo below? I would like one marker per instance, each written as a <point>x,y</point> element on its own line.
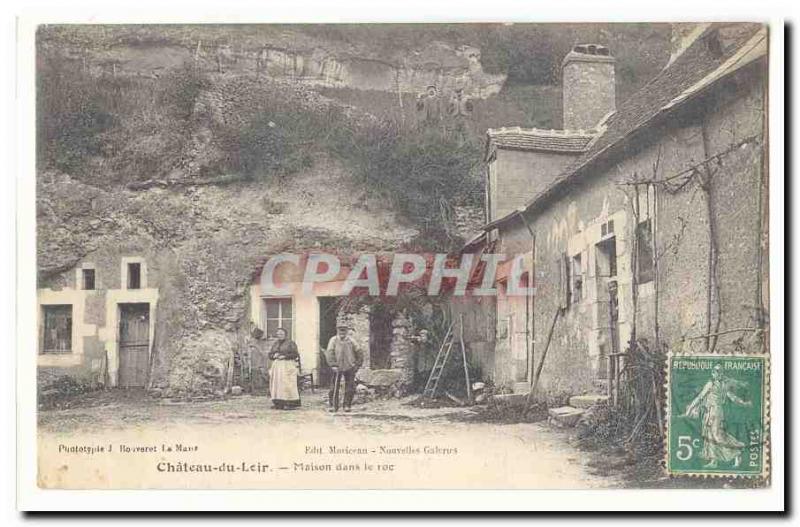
<point>305,318</point>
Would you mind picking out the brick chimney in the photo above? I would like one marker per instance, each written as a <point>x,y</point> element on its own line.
<point>588,86</point>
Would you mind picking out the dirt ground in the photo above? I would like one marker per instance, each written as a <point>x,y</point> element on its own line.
<point>416,447</point>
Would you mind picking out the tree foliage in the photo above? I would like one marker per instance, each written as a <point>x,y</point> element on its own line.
<point>422,171</point>
<point>72,110</point>
<point>108,129</point>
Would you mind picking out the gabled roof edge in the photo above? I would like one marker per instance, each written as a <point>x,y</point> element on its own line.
<point>753,49</point>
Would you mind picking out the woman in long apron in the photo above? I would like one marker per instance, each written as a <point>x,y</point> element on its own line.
<point>283,372</point>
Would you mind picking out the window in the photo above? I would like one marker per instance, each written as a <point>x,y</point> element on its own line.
<point>606,258</point>
<point>644,252</point>
<point>134,275</point>
<point>577,278</point>
<point>278,314</point>
<point>607,228</point>
<point>57,329</point>
<point>87,279</point>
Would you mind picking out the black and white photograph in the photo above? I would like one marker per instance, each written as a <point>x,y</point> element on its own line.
<point>401,256</point>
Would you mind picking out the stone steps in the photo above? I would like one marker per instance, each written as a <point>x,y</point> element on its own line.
<point>587,401</point>
<point>568,416</point>
<point>565,416</point>
<point>522,387</point>
<point>511,399</point>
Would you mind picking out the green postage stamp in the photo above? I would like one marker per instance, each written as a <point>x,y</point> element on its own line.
<point>717,415</point>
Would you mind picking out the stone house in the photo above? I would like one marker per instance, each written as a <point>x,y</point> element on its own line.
<point>97,320</point>
<point>644,220</point>
<point>311,316</point>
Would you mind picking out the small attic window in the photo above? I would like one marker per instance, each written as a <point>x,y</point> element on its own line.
<point>134,275</point>
<point>606,228</point>
<point>87,279</point>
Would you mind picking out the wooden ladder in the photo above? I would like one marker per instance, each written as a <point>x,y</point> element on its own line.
<point>438,365</point>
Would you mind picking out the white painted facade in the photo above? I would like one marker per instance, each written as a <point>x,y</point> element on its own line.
<point>305,318</point>
<point>107,333</point>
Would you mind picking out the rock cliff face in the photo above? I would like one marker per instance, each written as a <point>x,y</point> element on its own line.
<point>438,64</point>
<point>315,63</point>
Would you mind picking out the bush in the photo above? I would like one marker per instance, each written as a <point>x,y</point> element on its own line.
<point>182,89</point>
<point>72,111</point>
<point>56,389</point>
<point>269,144</point>
<point>635,423</point>
<point>423,172</point>
<point>134,127</point>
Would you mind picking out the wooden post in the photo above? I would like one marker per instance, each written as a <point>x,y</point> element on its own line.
<point>151,366</point>
<point>544,356</point>
<point>617,380</point>
<point>106,374</point>
<point>229,373</point>
<point>464,358</point>
<point>400,98</point>
<point>658,408</point>
<point>530,320</point>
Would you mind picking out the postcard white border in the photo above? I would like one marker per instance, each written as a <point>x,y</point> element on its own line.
<point>30,497</point>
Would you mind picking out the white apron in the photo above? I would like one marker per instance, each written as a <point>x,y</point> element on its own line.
<point>283,381</point>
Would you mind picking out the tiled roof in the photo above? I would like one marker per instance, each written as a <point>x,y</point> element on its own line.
<point>670,88</point>
<point>517,138</point>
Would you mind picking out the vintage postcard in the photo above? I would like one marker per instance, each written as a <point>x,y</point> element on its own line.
<point>401,256</point>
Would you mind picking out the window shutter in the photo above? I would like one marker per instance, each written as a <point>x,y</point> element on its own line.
<point>565,263</point>
<point>562,283</point>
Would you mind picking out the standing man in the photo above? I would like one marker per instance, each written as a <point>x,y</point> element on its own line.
<point>345,359</point>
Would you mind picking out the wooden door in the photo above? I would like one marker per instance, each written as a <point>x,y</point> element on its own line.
<point>134,344</point>
<point>521,348</point>
<point>328,312</point>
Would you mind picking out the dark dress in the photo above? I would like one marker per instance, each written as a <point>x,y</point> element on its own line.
<point>283,374</point>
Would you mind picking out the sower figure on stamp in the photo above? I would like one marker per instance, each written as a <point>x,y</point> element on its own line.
<point>718,444</point>
<point>345,359</point>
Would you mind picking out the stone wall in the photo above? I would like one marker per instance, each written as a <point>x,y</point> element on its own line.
<point>403,348</point>
<point>513,170</point>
